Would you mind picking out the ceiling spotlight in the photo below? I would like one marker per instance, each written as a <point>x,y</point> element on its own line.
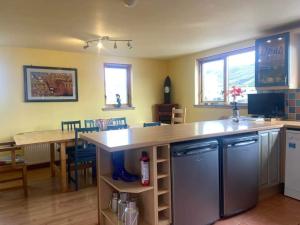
<point>129,45</point>
<point>100,45</point>
<point>102,39</point>
<point>129,3</point>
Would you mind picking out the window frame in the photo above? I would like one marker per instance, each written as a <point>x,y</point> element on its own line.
<point>128,68</point>
<point>222,56</point>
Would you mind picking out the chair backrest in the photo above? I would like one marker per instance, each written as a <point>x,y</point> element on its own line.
<point>118,121</point>
<point>178,115</point>
<point>83,130</point>
<point>12,148</point>
<point>152,124</point>
<point>117,127</point>
<point>102,123</point>
<point>70,125</point>
<point>90,123</point>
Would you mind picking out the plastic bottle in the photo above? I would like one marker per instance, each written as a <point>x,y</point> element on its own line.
<point>122,205</point>
<point>145,177</point>
<point>131,214</point>
<point>114,202</point>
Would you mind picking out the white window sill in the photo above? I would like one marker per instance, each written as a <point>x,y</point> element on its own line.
<point>113,108</point>
<point>220,105</point>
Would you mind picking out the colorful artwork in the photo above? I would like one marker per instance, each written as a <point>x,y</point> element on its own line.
<point>272,60</point>
<point>46,84</point>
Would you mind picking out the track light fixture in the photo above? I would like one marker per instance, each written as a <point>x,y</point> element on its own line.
<point>99,42</point>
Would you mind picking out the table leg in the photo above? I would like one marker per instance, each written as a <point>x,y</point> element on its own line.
<point>63,167</point>
<point>52,159</point>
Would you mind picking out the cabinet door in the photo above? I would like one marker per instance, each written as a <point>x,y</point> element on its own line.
<point>272,60</point>
<point>264,155</point>
<point>274,157</point>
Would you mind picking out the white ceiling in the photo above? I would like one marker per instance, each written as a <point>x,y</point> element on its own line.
<point>159,28</point>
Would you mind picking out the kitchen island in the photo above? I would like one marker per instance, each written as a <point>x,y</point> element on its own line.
<point>156,198</point>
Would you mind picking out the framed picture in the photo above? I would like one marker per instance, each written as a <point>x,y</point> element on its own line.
<point>272,60</point>
<point>50,84</point>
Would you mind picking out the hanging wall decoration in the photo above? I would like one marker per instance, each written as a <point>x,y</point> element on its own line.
<point>50,84</point>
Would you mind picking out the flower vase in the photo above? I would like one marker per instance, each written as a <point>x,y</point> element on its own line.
<point>235,113</point>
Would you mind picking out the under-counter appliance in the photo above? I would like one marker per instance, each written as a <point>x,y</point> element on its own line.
<point>292,165</point>
<point>195,182</point>
<point>239,164</point>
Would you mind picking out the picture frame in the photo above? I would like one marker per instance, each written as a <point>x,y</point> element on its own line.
<point>50,84</point>
<point>272,61</point>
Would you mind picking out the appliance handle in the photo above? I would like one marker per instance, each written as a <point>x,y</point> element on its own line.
<point>242,143</point>
<point>195,151</point>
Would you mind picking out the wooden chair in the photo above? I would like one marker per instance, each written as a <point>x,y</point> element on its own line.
<point>13,164</point>
<point>152,124</point>
<point>178,115</point>
<point>90,123</point>
<point>83,155</point>
<point>70,125</point>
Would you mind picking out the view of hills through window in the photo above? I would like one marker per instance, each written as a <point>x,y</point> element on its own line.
<point>218,77</point>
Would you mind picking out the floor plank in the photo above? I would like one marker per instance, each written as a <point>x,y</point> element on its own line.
<point>278,210</point>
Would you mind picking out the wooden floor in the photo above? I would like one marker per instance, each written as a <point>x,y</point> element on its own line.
<point>46,206</point>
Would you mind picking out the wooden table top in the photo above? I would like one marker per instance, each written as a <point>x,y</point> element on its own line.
<point>40,137</point>
<point>144,137</point>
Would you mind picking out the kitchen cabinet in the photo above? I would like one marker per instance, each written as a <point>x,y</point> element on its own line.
<point>269,142</point>
<point>277,61</point>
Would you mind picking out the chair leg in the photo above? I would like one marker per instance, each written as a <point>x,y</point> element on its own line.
<point>76,175</point>
<point>69,169</point>
<point>24,175</point>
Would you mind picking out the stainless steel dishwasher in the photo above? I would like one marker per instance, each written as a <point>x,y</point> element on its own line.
<point>195,182</point>
<point>239,163</point>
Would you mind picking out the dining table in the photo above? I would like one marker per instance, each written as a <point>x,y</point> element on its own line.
<point>52,137</point>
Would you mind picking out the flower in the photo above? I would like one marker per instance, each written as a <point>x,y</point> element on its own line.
<point>235,92</point>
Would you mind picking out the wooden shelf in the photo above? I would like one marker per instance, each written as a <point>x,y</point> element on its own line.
<point>163,221</point>
<point>162,191</point>
<point>162,207</point>
<point>161,160</point>
<point>129,187</point>
<point>162,175</point>
<point>113,218</point>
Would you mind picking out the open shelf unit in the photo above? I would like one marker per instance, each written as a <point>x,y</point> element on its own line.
<point>154,202</point>
<point>163,185</point>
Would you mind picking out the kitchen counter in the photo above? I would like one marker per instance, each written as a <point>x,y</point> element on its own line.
<point>144,137</point>
<point>156,141</point>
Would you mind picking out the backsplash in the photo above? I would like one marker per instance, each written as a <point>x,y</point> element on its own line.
<point>293,104</point>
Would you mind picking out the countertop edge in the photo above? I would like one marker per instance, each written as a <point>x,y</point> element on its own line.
<point>202,136</point>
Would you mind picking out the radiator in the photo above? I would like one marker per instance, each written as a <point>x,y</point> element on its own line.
<point>39,153</point>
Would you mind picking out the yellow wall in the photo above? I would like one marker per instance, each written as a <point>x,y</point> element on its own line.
<point>182,73</point>
<point>18,116</point>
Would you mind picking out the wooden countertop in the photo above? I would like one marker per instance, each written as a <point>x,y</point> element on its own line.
<point>39,137</point>
<point>144,137</point>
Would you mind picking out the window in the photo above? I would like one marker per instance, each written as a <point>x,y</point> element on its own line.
<point>218,74</point>
<point>117,79</point>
